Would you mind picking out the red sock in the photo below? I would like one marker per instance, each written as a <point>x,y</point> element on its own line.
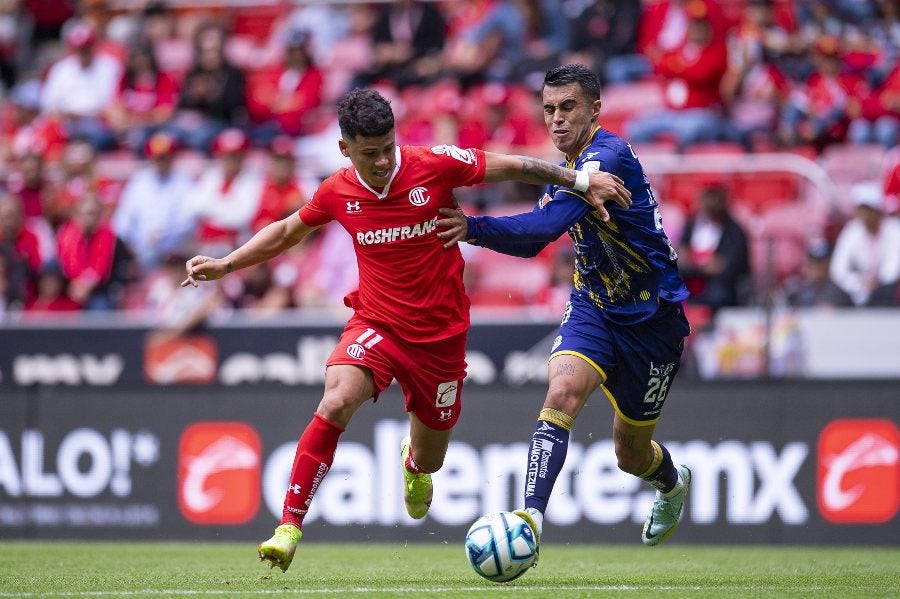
<point>315,453</point>
<point>411,463</point>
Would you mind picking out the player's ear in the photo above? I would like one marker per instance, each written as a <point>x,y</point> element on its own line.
<point>345,151</point>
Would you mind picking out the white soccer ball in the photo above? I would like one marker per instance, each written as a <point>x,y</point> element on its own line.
<point>500,546</point>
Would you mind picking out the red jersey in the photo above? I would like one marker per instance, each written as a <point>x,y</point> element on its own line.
<point>408,282</point>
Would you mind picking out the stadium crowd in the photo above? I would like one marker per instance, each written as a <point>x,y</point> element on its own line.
<point>134,134</point>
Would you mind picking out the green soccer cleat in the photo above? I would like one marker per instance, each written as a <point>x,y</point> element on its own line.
<point>532,524</point>
<point>666,512</point>
<point>417,488</point>
<point>279,550</point>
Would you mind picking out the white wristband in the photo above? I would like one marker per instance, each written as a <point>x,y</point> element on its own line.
<point>582,181</point>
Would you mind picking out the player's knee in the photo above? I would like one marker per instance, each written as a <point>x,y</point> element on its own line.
<point>338,408</point>
<point>562,398</point>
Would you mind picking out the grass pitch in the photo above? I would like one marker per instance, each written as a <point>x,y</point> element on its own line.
<point>171,570</point>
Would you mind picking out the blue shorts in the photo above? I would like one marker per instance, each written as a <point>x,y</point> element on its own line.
<point>637,362</point>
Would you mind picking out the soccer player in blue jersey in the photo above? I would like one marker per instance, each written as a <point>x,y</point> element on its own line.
<point>623,328</point>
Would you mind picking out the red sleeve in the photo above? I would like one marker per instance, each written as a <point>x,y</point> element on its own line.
<point>166,91</point>
<point>465,166</point>
<point>100,253</point>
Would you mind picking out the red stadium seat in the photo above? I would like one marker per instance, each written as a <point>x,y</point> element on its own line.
<point>760,191</point>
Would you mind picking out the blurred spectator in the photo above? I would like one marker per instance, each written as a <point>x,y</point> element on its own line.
<point>281,193</point>
<point>25,130</point>
<point>332,274</point>
<point>79,177</point>
<point>813,287</point>
<point>754,88</point>
<point>327,24</point>
<point>21,250</point>
<point>866,259</point>
<point>713,257</point>
<point>662,29</point>
<point>260,288</point>
<point>80,86</point>
<point>818,112</point>
<point>494,123</point>
<point>226,198</point>
<point>692,75</point>
<point>282,101</point>
<point>879,114</point>
<point>87,255</point>
<point>601,30</point>
<point>488,40</point>
<point>159,28</point>
<point>145,99</point>
<point>52,292</point>
<point>153,218</point>
<point>9,41</point>
<point>29,183</point>
<point>546,37</point>
<point>212,93</point>
<point>408,38</point>
<point>171,312</point>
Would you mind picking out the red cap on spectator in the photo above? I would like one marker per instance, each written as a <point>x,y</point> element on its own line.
<point>230,141</point>
<point>282,147</point>
<point>81,35</point>
<point>160,144</point>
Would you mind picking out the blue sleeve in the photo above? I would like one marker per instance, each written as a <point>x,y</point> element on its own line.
<point>526,234</point>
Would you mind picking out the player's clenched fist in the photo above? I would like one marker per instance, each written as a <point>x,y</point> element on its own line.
<point>204,268</point>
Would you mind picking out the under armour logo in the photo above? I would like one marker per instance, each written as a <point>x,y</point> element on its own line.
<point>445,415</point>
<point>353,207</point>
<point>294,488</point>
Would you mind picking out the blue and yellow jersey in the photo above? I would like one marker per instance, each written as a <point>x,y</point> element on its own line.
<point>624,266</point>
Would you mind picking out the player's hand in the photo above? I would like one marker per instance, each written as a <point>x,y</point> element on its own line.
<point>204,268</point>
<point>606,187</point>
<point>457,227</point>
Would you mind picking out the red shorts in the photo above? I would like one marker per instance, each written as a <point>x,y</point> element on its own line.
<point>430,374</point>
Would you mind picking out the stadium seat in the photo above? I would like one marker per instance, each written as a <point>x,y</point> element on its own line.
<point>760,191</point>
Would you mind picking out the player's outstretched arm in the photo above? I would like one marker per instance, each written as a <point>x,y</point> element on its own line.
<point>600,187</point>
<point>266,244</point>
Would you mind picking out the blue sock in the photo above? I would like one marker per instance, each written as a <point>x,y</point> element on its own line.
<point>546,457</point>
<point>661,474</point>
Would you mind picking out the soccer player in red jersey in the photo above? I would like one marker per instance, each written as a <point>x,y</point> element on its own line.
<point>411,313</point>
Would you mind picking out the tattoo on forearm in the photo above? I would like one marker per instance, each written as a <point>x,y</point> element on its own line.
<point>624,440</point>
<point>540,171</point>
<point>565,370</point>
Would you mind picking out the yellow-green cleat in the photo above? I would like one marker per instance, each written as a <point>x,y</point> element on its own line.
<point>279,550</point>
<point>417,488</point>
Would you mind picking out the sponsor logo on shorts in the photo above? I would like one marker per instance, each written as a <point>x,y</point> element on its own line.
<point>556,342</point>
<point>219,473</point>
<point>356,351</point>
<point>859,471</point>
<point>446,394</point>
<point>417,196</point>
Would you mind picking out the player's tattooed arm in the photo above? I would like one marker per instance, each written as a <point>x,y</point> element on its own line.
<point>598,187</point>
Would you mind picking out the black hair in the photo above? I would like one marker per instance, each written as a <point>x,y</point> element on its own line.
<point>574,73</point>
<point>364,112</point>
